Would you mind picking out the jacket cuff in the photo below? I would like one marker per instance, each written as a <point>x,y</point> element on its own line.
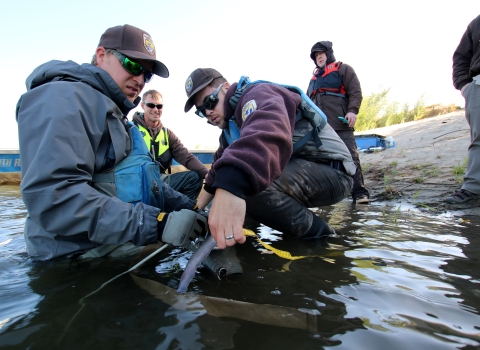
<point>233,180</point>
<point>203,173</point>
<point>462,84</point>
<point>209,189</point>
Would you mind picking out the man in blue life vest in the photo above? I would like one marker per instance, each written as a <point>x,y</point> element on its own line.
<point>75,143</point>
<point>253,169</point>
<point>466,78</point>
<point>335,89</point>
<point>165,146</point>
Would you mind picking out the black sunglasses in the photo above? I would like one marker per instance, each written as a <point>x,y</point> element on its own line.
<point>208,103</point>
<point>133,67</point>
<point>153,105</point>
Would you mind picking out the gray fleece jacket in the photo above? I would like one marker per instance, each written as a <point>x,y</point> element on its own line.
<point>70,125</point>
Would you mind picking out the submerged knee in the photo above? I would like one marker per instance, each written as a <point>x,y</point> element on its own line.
<point>318,229</point>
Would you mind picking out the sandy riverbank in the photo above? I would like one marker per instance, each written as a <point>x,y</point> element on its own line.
<point>419,169</point>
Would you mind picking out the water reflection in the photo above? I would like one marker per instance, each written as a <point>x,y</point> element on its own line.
<point>392,278</point>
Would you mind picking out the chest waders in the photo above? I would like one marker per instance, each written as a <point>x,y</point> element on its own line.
<point>308,110</point>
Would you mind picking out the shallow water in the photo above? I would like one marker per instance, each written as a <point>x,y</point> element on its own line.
<point>393,278</point>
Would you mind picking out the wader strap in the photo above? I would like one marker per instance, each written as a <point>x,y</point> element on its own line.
<point>309,135</point>
<point>103,177</point>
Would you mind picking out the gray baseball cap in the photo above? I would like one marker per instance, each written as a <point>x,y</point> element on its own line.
<point>196,81</point>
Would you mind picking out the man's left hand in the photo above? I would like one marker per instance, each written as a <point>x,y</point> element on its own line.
<point>352,118</point>
<point>226,219</point>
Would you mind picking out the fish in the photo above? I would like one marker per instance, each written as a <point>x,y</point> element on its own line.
<point>197,257</point>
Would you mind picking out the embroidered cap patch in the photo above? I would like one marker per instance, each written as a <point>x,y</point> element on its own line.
<point>189,84</point>
<point>148,43</point>
<point>248,108</point>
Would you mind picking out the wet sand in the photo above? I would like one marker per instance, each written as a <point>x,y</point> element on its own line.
<point>419,169</point>
<point>10,178</point>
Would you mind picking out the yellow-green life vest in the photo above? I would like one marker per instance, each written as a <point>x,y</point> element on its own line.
<point>159,148</point>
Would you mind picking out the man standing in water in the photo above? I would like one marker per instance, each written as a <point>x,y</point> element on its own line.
<point>72,132</point>
<point>335,89</point>
<point>165,146</point>
<point>466,78</point>
<point>253,169</point>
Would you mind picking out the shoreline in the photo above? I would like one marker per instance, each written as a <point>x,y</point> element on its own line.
<point>419,169</point>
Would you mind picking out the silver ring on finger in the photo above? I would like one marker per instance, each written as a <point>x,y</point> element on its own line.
<point>229,237</point>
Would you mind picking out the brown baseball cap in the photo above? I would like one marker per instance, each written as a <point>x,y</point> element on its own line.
<point>133,43</point>
<point>199,78</point>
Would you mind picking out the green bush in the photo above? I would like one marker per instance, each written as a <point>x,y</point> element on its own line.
<point>377,111</point>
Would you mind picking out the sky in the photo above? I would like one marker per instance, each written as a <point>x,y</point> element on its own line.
<point>406,46</point>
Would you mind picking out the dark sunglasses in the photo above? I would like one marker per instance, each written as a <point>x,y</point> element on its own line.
<point>133,67</point>
<point>208,103</point>
<point>153,105</point>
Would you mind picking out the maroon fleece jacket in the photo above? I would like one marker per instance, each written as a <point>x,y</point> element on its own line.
<point>251,163</point>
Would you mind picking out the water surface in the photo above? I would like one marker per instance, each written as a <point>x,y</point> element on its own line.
<point>393,278</point>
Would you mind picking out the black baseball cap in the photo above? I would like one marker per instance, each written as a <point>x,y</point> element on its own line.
<point>133,43</point>
<point>199,78</point>
<point>321,46</point>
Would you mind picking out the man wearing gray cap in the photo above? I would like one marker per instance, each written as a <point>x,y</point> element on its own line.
<point>88,185</point>
<point>276,159</point>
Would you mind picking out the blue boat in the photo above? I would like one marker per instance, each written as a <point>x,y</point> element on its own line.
<point>9,166</point>
<point>10,170</point>
<point>204,156</point>
<point>9,161</point>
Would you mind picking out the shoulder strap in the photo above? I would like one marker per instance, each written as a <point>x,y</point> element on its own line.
<point>165,136</point>
<point>243,84</point>
<point>232,133</point>
<point>308,110</point>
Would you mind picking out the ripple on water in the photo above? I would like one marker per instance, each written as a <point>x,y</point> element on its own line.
<point>390,278</point>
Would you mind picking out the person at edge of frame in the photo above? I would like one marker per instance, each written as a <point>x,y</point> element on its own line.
<point>256,174</point>
<point>335,89</point>
<point>166,146</point>
<point>72,126</point>
<point>466,78</point>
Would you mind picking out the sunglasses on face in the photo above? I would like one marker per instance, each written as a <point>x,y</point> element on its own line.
<point>133,67</point>
<point>208,103</point>
<point>153,105</point>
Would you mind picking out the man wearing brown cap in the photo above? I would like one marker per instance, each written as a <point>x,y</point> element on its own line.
<point>78,152</point>
<point>253,170</point>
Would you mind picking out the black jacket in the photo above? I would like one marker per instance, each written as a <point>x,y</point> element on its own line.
<point>466,58</point>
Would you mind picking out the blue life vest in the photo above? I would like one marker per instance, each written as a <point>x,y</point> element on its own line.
<point>308,110</point>
<point>329,82</point>
<point>135,179</point>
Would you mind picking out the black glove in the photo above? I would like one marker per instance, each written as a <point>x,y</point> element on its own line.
<point>179,228</point>
<point>200,211</point>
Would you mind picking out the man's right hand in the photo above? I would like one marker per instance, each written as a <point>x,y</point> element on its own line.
<point>463,89</point>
